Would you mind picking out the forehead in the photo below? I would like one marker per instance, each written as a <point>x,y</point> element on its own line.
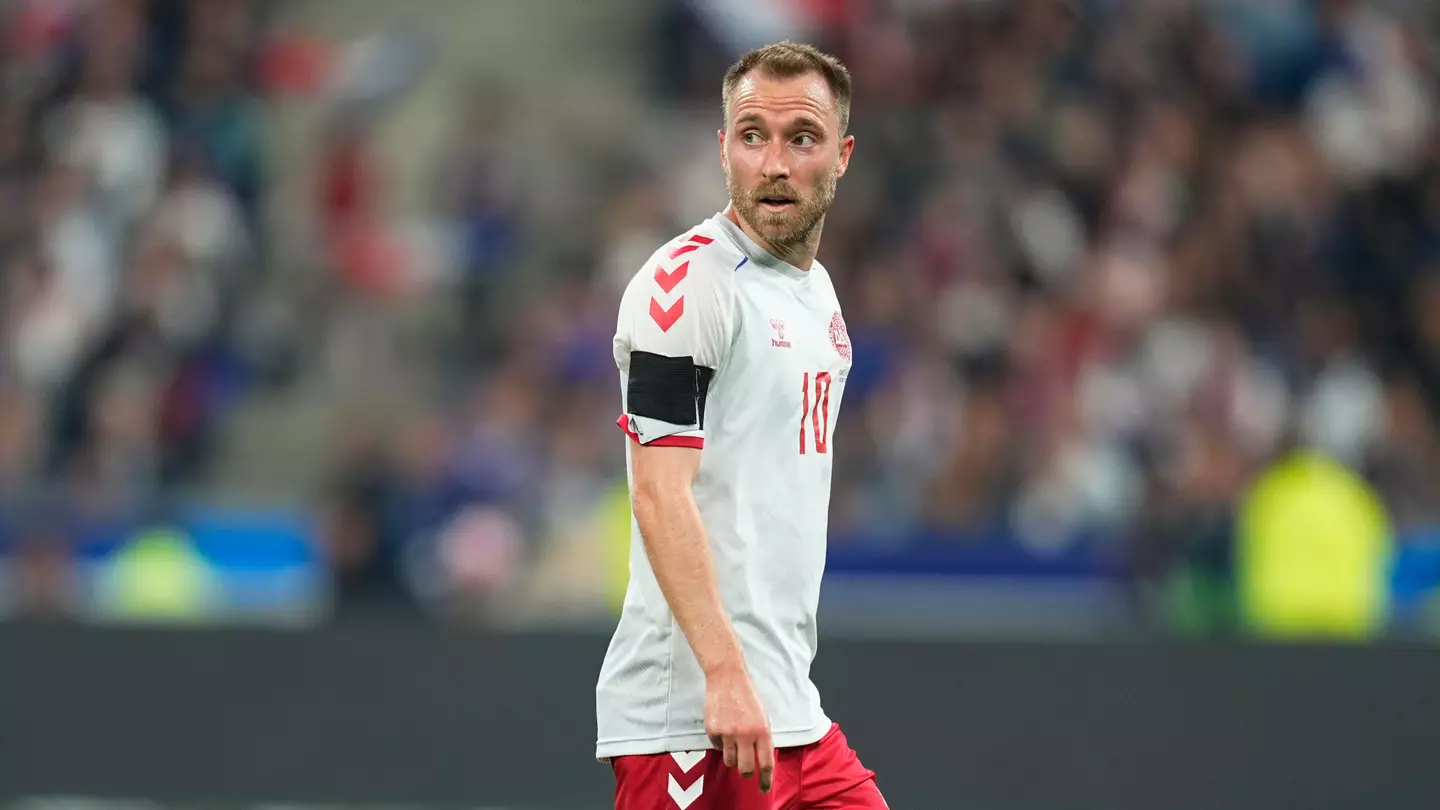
<point>781,99</point>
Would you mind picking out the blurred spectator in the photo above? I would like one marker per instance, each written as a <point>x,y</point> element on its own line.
<point>209,104</point>
<point>354,534</point>
<point>198,214</point>
<point>478,185</point>
<point>19,427</point>
<point>108,127</point>
<point>403,527</point>
<point>44,574</point>
<point>1404,462</point>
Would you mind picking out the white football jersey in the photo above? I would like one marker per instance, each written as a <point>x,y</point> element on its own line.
<point>724,347</point>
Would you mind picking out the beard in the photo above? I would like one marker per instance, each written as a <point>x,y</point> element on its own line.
<point>786,228</point>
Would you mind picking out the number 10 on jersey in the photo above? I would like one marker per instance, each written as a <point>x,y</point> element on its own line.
<point>817,414</point>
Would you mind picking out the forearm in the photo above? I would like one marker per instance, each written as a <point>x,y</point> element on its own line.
<point>679,554</point>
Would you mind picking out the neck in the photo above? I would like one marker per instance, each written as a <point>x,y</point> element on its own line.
<point>800,254</point>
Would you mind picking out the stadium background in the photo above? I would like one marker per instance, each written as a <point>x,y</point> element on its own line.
<point>304,340</point>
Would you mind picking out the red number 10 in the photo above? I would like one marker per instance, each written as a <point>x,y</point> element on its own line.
<point>820,413</point>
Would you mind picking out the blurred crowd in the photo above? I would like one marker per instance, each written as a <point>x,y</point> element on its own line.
<point>131,180</point>
<point>1112,258</point>
<point>1102,261</point>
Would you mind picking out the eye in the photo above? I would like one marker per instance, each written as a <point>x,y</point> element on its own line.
<point>751,138</point>
<point>805,140</point>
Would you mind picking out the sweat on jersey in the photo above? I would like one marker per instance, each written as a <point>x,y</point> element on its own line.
<point>724,347</point>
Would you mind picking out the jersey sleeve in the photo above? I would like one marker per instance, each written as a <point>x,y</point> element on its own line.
<point>675,328</point>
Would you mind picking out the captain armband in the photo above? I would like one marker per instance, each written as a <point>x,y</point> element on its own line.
<point>665,399</point>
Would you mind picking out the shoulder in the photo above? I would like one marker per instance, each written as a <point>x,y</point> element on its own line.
<point>698,260</point>
<point>823,282</point>
<point>820,272</point>
<point>682,301</point>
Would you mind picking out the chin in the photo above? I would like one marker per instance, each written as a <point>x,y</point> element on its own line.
<point>781,228</point>
<point>780,236</point>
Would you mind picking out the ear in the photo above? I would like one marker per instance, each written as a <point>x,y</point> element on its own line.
<point>847,145</point>
<point>724,160</point>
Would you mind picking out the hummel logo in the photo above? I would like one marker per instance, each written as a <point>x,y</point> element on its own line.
<point>779,339</point>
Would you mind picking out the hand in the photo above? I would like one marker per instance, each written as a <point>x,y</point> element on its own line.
<point>737,725</point>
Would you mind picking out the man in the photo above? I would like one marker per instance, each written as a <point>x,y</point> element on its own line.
<point>733,357</point>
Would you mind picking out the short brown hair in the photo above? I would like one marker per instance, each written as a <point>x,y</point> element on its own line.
<point>786,60</point>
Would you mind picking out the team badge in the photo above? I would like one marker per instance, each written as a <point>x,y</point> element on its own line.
<point>839,337</point>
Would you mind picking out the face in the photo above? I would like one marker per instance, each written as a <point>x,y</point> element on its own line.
<point>783,152</point>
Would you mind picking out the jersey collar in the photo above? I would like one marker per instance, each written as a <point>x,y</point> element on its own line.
<point>756,253</point>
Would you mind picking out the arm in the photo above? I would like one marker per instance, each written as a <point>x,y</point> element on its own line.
<point>679,553</point>
<point>674,331</point>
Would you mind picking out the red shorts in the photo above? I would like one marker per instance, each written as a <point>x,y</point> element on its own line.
<point>824,775</point>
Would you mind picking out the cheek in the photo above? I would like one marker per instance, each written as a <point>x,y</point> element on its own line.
<point>737,159</point>
<point>822,173</point>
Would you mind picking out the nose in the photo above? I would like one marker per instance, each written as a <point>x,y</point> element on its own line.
<point>777,161</point>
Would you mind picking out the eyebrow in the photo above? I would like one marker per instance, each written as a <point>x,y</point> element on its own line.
<point>801,122</point>
<point>806,122</point>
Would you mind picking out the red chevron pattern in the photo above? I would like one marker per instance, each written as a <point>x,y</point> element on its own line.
<point>666,318</point>
<point>697,241</point>
<point>667,281</point>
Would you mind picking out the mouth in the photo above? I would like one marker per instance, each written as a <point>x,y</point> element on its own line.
<point>776,205</point>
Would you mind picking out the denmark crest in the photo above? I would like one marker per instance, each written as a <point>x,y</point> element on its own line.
<point>839,337</point>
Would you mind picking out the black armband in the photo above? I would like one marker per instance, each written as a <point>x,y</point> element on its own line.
<point>670,389</point>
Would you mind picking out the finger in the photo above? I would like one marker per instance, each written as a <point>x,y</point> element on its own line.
<point>731,752</point>
<point>766,764</point>
<point>747,758</point>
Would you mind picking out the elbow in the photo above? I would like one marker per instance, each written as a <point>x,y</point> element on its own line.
<point>660,483</point>
<point>646,497</point>
<point>651,498</point>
